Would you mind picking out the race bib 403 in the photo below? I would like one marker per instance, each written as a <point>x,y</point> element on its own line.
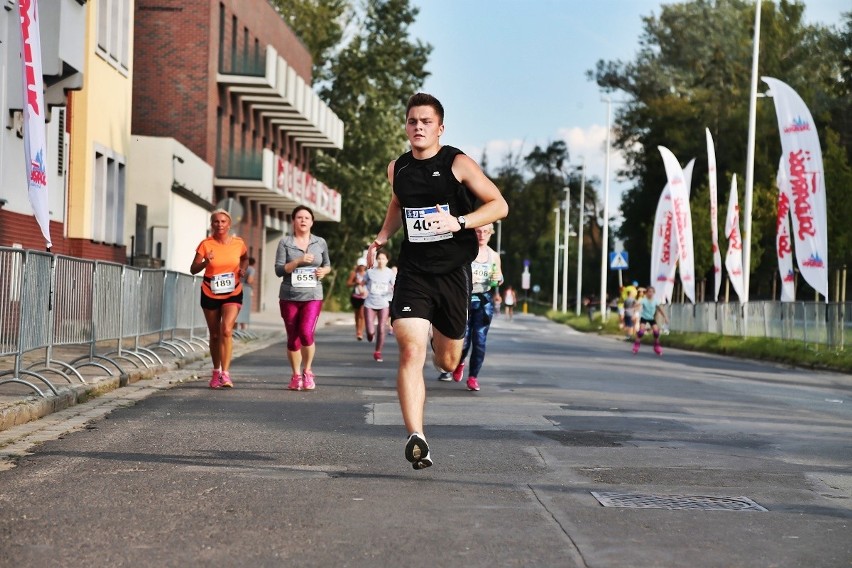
<point>419,229</point>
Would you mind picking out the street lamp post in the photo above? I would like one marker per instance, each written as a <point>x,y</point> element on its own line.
<point>605,231</point>
<point>555,258</point>
<point>499,237</point>
<point>565,235</point>
<point>580,235</point>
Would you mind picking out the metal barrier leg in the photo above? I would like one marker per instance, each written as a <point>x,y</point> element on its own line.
<point>92,363</point>
<point>67,367</point>
<point>29,384</point>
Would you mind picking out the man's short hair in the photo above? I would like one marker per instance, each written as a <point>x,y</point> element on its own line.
<point>425,99</point>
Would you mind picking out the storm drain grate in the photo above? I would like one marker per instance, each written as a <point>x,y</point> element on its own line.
<point>676,502</point>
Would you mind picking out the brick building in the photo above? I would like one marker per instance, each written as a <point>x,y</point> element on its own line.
<point>158,111</point>
<point>230,81</point>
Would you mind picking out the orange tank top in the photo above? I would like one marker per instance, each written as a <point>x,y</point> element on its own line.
<point>222,272</point>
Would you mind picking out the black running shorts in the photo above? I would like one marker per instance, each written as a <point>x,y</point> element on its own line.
<point>442,299</point>
<point>208,303</point>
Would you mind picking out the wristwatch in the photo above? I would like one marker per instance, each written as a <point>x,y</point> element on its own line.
<point>462,221</point>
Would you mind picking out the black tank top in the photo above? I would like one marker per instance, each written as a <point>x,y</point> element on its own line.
<point>419,185</point>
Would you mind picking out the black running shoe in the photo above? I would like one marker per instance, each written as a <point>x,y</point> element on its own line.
<point>417,452</point>
<point>445,376</point>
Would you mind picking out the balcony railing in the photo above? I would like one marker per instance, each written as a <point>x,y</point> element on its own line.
<point>244,63</point>
<point>239,164</point>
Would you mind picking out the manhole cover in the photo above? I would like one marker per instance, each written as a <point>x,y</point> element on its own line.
<point>675,502</point>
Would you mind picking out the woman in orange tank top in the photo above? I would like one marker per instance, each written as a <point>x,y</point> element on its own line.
<point>223,257</point>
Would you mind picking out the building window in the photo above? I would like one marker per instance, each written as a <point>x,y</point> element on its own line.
<point>114,32</point>
<point>108,198</point>
<point>221,37</point>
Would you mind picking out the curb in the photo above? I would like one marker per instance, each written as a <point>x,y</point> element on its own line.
<point>32,407</point>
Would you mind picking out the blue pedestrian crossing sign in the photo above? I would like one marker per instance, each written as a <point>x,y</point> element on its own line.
<point>618,260</point>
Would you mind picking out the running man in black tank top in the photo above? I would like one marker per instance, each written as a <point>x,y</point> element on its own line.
<point>435,192</point>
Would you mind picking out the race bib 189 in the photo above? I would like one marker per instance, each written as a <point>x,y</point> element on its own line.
<point>419,230</point>
<point>305,277</point>
<point>223,283</point>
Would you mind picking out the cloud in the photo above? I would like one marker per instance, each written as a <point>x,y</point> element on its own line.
<point>590,143</point>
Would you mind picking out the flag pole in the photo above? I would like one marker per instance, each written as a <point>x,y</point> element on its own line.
<point>749,181</point>
<point>605,231</point>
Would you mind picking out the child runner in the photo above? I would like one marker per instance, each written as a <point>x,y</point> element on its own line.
<point>649,307</point>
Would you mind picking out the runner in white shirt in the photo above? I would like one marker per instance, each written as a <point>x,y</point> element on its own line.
<point>379,282</point>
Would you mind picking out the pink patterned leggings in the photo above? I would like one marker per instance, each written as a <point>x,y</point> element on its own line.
<point>300,321</point>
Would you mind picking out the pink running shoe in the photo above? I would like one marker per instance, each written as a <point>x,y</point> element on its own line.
<point>457,374</point>
<point>636,347</point>
<point>216,380</point>
<point>658,350</point>
<point>225,379</point>
<point>295,383</point>
<point>378,356</point>
<point>309,383</point>
<point>472,384</point>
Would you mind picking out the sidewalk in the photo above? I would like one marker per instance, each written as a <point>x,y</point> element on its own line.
<point>20,405</point>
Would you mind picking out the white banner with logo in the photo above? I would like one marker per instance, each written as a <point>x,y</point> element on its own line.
<point>664,247</point>
<point>783,244</point>
<point>714,215</point>
<point>35,143</point>
<point>734,256</point>
<point>803,169</point>
<point>682,220</point>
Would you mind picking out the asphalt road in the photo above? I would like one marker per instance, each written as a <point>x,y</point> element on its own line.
<point>262,476</point>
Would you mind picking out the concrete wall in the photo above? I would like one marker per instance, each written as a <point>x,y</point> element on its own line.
<point>175,221</point>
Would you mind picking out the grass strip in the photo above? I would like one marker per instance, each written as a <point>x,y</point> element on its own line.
<point>796,353</point>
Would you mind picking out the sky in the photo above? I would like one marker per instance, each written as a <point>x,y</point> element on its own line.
<point>511,74</point>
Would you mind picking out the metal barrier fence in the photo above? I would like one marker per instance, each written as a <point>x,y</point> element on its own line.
<point>50,302</point>
<point>808,322</point>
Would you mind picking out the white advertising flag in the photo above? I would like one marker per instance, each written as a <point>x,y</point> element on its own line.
<point>682,219</point>
<point>783,244</point>
<point>714,215</point>
<point>34,109</point>
<point>663,248</point>
<point>734,257</point>
<point>803,169</point>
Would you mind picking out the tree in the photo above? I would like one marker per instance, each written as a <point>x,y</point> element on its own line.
<point>692,71</point>
<point>370,79</point>
<point>320,25</point>
<point>533,186</point>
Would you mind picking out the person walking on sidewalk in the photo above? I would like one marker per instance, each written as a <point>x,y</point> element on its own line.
<point>509,300</point>
<point>380,281</point>
<point>302,262</point>
<point>435,189</point>
<point>649,308</point>
<point>223,257</point>
<point>487,274</point>
<point>356,282</point>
